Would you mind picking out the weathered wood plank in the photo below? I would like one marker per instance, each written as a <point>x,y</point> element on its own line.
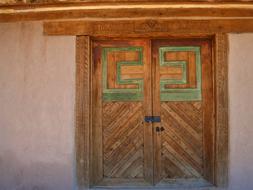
<point>125,9</point>
<point>97,130</point>
<point>149,27</point>
<point>208,106</point>
<point>123,139</point>
<point>148,131</point>
<point>222,130</point>
<point>25,3</point>
<point>83,110</point>
<point>157,155</point>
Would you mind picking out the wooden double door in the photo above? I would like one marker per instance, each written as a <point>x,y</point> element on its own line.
<point>152,112</point>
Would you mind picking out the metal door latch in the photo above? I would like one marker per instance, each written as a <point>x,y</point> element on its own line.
<point>159,129</point>
<point>152,119</point>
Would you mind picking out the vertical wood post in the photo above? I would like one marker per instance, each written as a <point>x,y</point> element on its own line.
<point>221,84</point>
<point>82,111</point>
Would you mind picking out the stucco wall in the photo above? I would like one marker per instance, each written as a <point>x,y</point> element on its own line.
<point>37,77</point>
<point>241,111</point>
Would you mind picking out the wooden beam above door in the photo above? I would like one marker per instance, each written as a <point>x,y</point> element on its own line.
<point>121,9</point>
<point>149,27</point>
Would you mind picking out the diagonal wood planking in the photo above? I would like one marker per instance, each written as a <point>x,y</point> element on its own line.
<point>123,139</point>
<point>182,147</point>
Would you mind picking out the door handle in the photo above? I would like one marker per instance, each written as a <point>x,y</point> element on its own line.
<point>159,129</point>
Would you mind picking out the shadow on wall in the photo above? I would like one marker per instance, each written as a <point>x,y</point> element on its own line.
<point>32,175</point>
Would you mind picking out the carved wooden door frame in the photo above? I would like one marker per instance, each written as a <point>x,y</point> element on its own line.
<point>83,108</point>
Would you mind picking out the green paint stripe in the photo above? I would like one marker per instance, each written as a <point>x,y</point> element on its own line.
<point>122,97</point>
<point>179,96</point>
<point>180,48</point>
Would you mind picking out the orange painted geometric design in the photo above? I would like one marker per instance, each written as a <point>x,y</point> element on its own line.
<point>186,82</point>
<point>122,73</point>
<point>176,72</point>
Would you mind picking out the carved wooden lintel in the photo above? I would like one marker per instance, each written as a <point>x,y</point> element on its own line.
<point>147,27</point>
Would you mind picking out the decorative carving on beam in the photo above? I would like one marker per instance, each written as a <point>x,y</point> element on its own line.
<point>147,27</point>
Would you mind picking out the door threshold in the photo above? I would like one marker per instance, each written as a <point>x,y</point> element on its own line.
<point>172,184</point>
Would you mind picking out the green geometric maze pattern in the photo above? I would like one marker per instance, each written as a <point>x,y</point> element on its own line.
<point>120,94</point>
<point>186,94</point>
